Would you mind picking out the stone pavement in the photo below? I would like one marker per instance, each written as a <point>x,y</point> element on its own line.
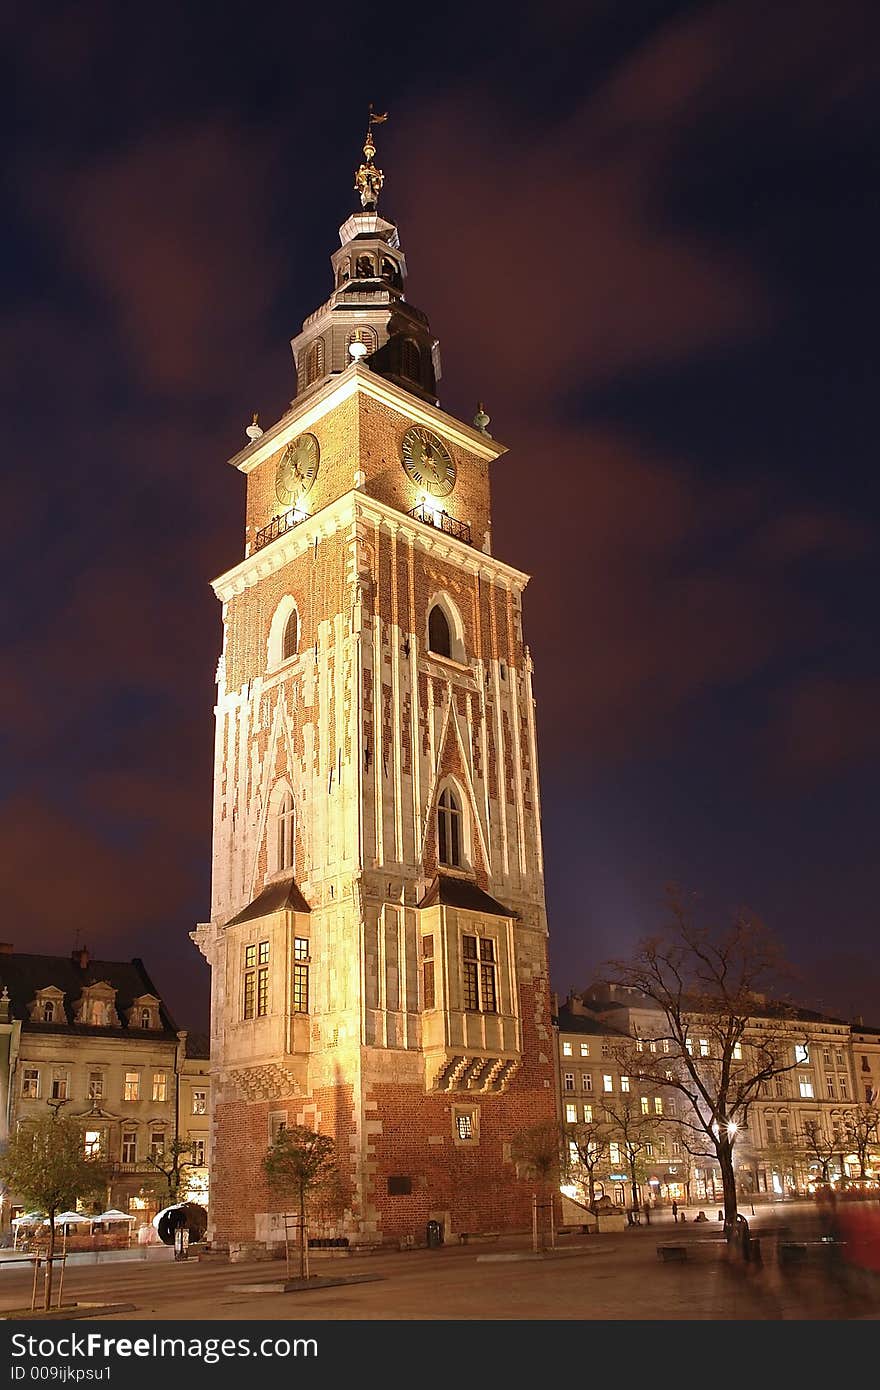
<point>606,1278</point>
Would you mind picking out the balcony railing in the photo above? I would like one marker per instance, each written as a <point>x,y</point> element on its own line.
<point>442,521</point>
<point>279,526</point>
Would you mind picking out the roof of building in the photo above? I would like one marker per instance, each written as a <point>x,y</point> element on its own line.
<point>23,973</point>
<point>569,1022</point>
<point>281,896</point>
<point>461,892</point>
<point>198,1045</point>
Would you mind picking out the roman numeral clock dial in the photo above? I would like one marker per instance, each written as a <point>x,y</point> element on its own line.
<point>297,468</point>
<point>427,462</point>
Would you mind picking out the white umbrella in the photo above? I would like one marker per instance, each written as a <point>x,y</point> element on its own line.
<point>28,1218</point>
<point>70,1218</point>
<point>113,1215</point>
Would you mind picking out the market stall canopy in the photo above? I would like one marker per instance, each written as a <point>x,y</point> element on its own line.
<point>70,1218</point>
<point>113,1215</point>
<point>28,1218</point>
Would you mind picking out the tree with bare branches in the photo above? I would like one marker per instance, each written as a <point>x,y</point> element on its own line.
<point>588,1155</point>
<point>634,1133</point>
<point>820,1148</point>
<point>861,1129</point>
<point>714,1040</point>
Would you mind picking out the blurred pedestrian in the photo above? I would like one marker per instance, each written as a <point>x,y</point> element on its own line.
<point>675,1211</point>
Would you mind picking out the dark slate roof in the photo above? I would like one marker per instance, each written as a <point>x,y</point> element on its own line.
<point>282,896</point>
<point>23,974</point>
<point>461,892</point>
<point>568,1022</point>
<point>198,1045</point>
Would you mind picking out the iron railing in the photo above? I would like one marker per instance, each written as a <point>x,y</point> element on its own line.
<point>279,526</point>
<point>442,521</point>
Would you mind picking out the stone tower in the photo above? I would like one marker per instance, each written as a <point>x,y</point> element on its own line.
<point>378,933</point>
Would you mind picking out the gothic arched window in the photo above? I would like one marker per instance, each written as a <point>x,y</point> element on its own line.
<point>286,823</point>
<point>290,641</point>
<point>449,829</point>
<point>439,636</point>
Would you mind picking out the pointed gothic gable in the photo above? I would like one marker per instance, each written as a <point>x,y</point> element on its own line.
<point>453,761</point>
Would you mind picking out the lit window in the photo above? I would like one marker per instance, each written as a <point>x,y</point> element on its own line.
<point>200,1102</point>
<point>689,1045</point>
<point>60,1083</point>
<point>704,1047</point>
<point>285,824</point>
<point>607,1082</point>
<point>614,1153</point>
<point>129,1146</point>
<point>449,829</point>
<point>649,1150</point>
<point>439,636</point>
<point>478,955</point>
<point>806,1087</point>
<point>157,1145</point>
<point>428,994</point>
<point>131,1089</point>
<point>624,1083</point>
<point>30,1083</point>
<point>290,640</point>
<point>652,1046</point>
<point>197,1153</point>
<point>666,1045</point>
<point>160,1085</point>
<point>737,1052</point>
<point>646,1108</point>
<point>94,1140</point>
<point>586,1081</point>
<point>585,1052</point>
<point>640,1046</point>
<point>588,1114</point>
<point>301,957</point>
<point>96,1085</point>
<point>255,1003</point>
<point>571,1114</point>
<point>676,1149</point>
<point>566,1049</point>
<point>465,1126</point>
<point>568,1081</point>
<point>658,1105</point>
<point>801,1052</point>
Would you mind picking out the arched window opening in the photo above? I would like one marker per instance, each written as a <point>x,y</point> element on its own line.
<point>49,1012</point>
<point>290,641</point>
<point>439,636</point>
<point>449,829</point>
<point>286,822</point>
<point>146,1018</point>
<point>410,360</point>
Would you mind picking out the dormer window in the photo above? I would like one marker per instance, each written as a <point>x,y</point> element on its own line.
<point>96,1006</point>
<point>49,1011</point>
<point>144,1013</point>
<point>47,1006</point>
<point>146,1018</point>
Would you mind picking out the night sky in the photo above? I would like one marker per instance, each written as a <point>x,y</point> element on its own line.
<point>646,235</point>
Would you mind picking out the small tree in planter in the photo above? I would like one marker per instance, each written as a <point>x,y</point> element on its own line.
<point>300,1164</point>
<point>46,1163</point>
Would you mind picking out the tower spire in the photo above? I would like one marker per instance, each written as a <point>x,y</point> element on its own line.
<point>369,179</point>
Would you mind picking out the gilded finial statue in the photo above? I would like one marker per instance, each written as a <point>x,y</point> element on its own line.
<point>368,180</point>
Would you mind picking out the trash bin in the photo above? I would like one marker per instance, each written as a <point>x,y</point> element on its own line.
<point>435,1234</point>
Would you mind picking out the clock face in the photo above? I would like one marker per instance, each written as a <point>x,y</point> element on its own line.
<point>428,462</point>
<point>297,468</point>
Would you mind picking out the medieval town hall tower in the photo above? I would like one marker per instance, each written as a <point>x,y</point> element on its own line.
<point>378,933</point>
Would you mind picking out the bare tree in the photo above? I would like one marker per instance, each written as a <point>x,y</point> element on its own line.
<point>861,1129</point>
<point>716,1042</point>
<point>635,1133</point>
<point>819,1148</point>
<point>590,1157</point>
<point>538,1150</point>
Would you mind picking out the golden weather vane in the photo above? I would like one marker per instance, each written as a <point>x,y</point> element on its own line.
<point>368,180</point>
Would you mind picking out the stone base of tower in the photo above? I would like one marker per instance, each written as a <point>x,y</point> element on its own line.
<point>406,1158</point>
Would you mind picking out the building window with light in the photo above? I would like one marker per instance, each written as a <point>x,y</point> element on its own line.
<point>646,1108</point>
<point>704,1047</point>
<point>571,1114</point>
<point>449,829</point>
<point>737,1052</point>
<point>197,1153</point>
<point>301,961</point>
<point>157,1145</point>
<point>30,1083</point>
<point>607,1082</point>
<point>464,1125</point>
<point>255,991</point>
<point>129,1146</point>
<point>588,1114</point>
<point>624,1083</point>
<point>566,1049</point>
<point>60,1083</point>
<point>568,1081</point>
<point>614,1154</point>
<point>805,1085</point>
<point>801,1053</point>
<point>658,1105</point>
<point>585,1049</point>
<point>93,1143</point>
<point>131,1089</point>
<point>200,1102</point>
<point>478,961</point>
<point>160,1085</point>
<point>96,1085</point>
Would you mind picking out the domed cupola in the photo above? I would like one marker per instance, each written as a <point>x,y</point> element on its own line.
<point>367,306</point>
